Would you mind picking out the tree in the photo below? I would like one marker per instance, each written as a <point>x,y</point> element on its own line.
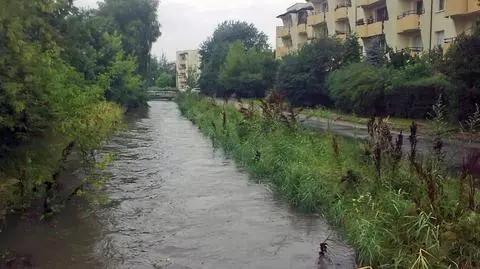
<point>49,101</point>
<point>462,64</point>
<point>247,73</point>
<point>192,77</point>
<point>215,49</point>
<point>376,52</point>
<point>137,22</point>
<point>162,73</point>
<point>353,50</point>
<point>302,76</point>
<point>360,88</point>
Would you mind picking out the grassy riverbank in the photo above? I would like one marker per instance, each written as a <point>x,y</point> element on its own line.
<point>405,218</point>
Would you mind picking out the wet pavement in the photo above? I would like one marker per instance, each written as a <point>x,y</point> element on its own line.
<point>454,150</point>
<point>176,203</point>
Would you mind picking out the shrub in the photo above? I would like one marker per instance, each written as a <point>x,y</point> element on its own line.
<point>462,64</point>
<point>247,73</point>
<point>408,92</point>
<point>303,76</point>
<point>360,88</point>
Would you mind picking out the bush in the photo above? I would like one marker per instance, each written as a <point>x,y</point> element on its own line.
<point>247,73</point>
<point>214,51</point>
<point>408,92</point>
<point>303,76</point>
<point>360,88</point>
<point>462,64</point>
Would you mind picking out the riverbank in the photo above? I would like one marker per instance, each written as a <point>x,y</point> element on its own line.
<point>411,216</point>
<point>174,201</point>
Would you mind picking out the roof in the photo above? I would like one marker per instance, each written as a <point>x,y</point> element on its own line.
<point>297,8</point>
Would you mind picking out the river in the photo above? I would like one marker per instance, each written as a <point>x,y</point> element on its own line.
<point>176,202</point>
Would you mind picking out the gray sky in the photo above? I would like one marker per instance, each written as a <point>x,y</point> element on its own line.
<point>187,23</point>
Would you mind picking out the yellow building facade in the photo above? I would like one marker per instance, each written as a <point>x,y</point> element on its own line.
<point>403,24</point>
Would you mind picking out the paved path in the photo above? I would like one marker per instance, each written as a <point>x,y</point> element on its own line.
<point>454,149</point>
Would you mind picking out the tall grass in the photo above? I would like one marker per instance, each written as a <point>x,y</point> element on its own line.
<point>387,214</point>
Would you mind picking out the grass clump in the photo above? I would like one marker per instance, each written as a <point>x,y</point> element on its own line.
<point>397,212</point>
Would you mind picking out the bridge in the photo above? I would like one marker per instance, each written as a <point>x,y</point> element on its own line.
<point>162,93</point>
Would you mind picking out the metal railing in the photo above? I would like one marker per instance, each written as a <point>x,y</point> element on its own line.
<point>371,20</point>
<point>411,12</point>
<point>415,49</point>
<point>343,4</point>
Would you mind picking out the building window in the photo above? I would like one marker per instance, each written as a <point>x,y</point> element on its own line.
<point>440,38</point>
<point>441,5</point>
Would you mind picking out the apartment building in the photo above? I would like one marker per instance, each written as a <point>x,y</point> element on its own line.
<point>187,61</point>
<point>293,34</point>
<point>414,24</point>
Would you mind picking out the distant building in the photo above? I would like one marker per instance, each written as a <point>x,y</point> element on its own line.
<point>187,61</point>
<point>416,25</point>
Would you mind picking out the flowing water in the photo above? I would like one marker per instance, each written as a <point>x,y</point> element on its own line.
<point>176,203</point>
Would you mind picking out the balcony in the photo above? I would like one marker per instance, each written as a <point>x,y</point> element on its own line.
<point>283,32</point>
<point>461,7</point>
<point>415,51</point>
<point>362,30</point>
<point>364,3</point>
<point>473,6</point>
<point>372,28</point>
<point>302,29</point>
<point>409,21</point>
<point>447,43</point>
<point>341,13</point>
<point>317,18</point>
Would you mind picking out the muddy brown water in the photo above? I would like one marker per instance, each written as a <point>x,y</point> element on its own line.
<point>176,203</point>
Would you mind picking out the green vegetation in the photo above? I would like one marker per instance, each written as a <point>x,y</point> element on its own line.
<point>247,73</point>
<point>67,76</point>
<point>162,73</point>
<point>302,76</point>
<point>396,211</point>
<point>214,52</point>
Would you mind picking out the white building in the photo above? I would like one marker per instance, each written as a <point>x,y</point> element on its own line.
<point>187,62</point>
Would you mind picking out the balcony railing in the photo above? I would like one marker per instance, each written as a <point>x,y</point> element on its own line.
<point>461,7</point>
<point>283,31</point>
<point>317,18</point>
<point>414,50</point>
<point>302,29</point>
<point>343,4</point>
<point>372,27</point>
<point>363,3</point>
<point>341,13</point>
<point>409,21</point>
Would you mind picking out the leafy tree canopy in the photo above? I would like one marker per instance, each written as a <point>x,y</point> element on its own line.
<point>215,49</point>
<point>247,73</point>
<point>302,76</point>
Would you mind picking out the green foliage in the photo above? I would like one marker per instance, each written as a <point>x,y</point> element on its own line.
<point>162,73</point>
<point>353,50</point>
<point>360,88</point>
<point>136,20</point>
<point>247,73</point>
<point>462,64</point>
<point>214,51</point>
<point>303,76</point>
<point>376,52</point>
<point>389,219</point>
<point>121,84</point>
<point>408,92</point>
<point>399,58</point>
<point>57,67</point>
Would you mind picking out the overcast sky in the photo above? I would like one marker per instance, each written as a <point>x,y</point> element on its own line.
<point>187,23</point>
